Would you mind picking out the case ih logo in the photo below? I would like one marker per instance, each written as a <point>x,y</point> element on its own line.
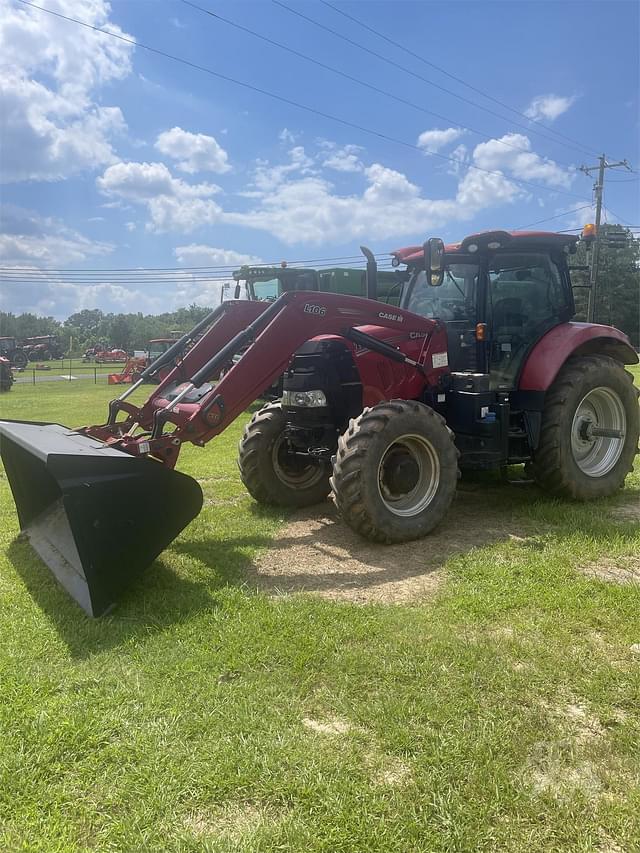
<point>385,316</point>
<point>319,310</point>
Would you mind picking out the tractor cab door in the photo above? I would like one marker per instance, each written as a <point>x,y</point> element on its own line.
<point>527,296</point>
<point>455,302</point>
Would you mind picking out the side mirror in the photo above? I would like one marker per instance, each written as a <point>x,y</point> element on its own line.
<point>236,293</point>
<point>434,261</point>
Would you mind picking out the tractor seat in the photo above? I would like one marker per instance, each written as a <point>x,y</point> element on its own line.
<point>509,313</point>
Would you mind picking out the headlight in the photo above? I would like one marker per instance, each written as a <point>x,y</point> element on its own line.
<point>304,398</point>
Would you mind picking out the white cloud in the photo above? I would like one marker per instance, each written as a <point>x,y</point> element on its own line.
<point>266,177</point>
<point>345,159</point>
<point>196,254</point>
<point>28,239</point>
<point>434,140</point>
<point>194,152</point>
<point>173,204</point>
<point>294,202</point>
<point>52,125</point>
<point>287,136</point>
<point>460,158</point>
<point>549,107</point>
<point>524,163</point>
<point>579,217</point>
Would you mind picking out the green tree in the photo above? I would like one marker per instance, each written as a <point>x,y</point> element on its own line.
<point>618,287</point>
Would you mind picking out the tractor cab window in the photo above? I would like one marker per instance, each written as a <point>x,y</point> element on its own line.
<point>454,302</point>
<point>455,299</point>
<point>267,291</point>
<point>526,298</point>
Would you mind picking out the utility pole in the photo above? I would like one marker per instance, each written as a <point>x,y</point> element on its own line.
<point>595,251</point>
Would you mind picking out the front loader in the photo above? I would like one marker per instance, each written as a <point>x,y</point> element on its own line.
<point>480,367</point>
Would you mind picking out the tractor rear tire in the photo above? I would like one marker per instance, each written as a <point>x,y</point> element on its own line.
<point>18,358</point>
<point>591,391</point>
<point>395,472</point>
<point>270,475</point>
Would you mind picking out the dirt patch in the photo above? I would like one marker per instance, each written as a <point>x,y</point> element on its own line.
<point>392,773</point>
<point>585,726</point>
<point>317,552</point>
<point>608,845</point>
<point>332,726</point>
<point>552,769</point>
<point>626,512</point>
<point>232,822</point>
<point>623,569</point>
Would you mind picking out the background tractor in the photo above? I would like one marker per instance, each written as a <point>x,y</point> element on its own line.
<point>479,367</point>
<point>6,374</point>
<point>269,283</point>
<point>11,350</point>
<point>43,348</point>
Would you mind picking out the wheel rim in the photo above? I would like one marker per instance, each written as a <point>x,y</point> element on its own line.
<point>408,475</point>
<point>293,473</point>
<point>596,455</point>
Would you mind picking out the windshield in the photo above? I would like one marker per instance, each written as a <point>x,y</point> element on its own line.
<point>267,290</point>
<point>453,300</point>
<point>156,348</point>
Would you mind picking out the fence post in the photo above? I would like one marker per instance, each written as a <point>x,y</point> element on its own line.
<point>95,375</point>
<point>34,375</point>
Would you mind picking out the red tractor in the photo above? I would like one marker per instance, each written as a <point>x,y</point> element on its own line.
<point>6,374</point>
<point>480,367</point>
<point>43,348</point>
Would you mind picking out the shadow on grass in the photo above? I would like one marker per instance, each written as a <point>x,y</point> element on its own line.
<point>158,599</point>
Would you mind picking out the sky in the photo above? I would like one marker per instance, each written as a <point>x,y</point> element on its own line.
<point>114,157</point>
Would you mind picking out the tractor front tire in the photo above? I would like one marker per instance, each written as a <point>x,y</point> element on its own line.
<point>395,472</point>
<point>590,392</point>
<point>272,475</point>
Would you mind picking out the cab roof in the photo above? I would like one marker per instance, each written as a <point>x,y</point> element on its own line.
<point>513,240</point>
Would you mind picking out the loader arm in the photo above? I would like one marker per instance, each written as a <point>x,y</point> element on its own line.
<point>187,408</point>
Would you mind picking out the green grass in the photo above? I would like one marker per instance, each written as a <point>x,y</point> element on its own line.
<point>500,715</point>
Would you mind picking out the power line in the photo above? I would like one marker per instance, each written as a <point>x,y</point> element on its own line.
<point>305,57</point>
<point>426,80</point>
<point>439,68</point>
<point>557,216</point>
<point>619,218</point>
<point>153,270</point>
<point>297,104</point>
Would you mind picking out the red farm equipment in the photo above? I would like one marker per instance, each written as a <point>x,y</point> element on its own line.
<point>6,374</point>
<point>131,373</point>
<point>111,356</point>
<point>479,367</point>
<point>43,348</point>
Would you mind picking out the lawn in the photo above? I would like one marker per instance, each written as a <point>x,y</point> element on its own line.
<point>501,712</point>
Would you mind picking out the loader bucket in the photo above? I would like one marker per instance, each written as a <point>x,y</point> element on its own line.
<point>95,515</point>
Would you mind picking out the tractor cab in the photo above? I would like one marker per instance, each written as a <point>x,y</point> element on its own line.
<point>266,284</point>
<point>158,346</point>
<point>497,293</point>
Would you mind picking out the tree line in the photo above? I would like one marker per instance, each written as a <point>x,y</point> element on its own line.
<point>86,328</point>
